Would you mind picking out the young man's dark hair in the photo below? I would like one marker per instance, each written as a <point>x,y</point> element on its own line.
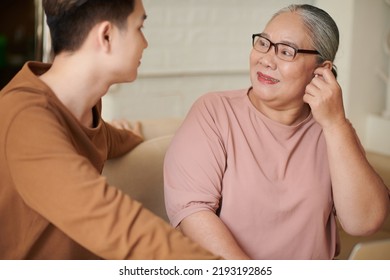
<point>71,20</point>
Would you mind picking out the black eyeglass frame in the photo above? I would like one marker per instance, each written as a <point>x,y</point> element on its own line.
<point>254,36</point>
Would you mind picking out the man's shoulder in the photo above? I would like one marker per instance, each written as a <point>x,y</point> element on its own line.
<point>21,99</point>
<point>25,89</point>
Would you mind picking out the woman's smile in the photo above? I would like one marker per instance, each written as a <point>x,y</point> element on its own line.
<point>262,78</point>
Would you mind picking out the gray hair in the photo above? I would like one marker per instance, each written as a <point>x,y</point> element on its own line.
<point>321,28</point>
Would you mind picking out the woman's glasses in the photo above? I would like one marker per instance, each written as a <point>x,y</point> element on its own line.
<point>282,50</point>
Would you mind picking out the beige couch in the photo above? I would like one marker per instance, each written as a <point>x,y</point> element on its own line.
<point>381,164</point>
<point>140,174</point>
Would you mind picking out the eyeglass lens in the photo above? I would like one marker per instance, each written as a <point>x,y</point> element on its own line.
<point>283,51</point>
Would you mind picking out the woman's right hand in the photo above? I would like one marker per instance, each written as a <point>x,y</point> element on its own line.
<point>324,96</point>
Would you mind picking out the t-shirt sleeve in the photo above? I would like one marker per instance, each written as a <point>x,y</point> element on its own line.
<point>120,141</point>
<point>195,163</point>
<point>64,188</point>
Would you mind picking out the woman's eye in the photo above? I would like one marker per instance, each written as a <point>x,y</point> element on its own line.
<point>287,51</point>
<point>263,43</point>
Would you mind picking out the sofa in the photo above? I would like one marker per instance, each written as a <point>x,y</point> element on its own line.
<point>140,174</point>
<point>381,164</point>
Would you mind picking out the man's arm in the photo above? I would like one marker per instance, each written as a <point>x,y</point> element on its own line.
<point>122,137</point>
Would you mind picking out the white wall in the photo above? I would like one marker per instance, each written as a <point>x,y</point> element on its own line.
<point>367,90</point>
<point>197,46</point>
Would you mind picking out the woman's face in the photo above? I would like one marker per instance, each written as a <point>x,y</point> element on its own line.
<point>281,84</point>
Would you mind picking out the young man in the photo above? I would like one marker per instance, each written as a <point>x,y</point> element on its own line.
<point>54,204</point>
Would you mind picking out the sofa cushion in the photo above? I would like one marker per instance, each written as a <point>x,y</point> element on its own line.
<point>140,173</point>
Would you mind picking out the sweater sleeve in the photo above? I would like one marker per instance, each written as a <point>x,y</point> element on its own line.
<point>120,141</point>
<point>64,188</point>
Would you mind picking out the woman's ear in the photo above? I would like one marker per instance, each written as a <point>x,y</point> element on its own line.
<point>327,64</point>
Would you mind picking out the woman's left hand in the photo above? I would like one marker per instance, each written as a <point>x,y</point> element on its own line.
<point>324,96</point>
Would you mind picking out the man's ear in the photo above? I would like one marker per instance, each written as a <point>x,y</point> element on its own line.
<point>105,35</point>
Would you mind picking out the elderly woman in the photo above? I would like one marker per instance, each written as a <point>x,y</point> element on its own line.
<point>262,173</point>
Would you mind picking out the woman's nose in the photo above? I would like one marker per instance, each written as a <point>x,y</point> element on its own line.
<point>268,59</point>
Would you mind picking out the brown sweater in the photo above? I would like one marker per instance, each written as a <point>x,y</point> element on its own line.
<point>54,203</point>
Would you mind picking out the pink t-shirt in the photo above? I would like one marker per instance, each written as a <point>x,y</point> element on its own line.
<point>269,183</point>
